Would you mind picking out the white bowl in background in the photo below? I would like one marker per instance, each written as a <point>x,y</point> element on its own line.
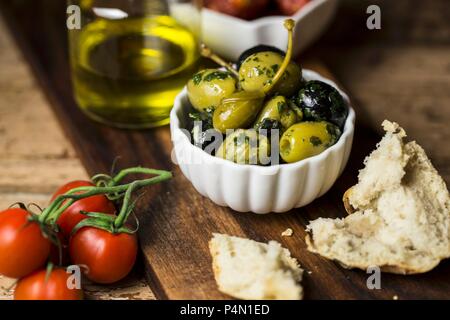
<point>230,36</point>
<point>259,189</point>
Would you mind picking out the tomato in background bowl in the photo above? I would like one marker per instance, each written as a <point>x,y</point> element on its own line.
<point>245,9</point>
<point>290,7</point>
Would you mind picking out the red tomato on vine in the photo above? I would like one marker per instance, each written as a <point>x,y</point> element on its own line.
<point>23,245</point>
<point>72,215</point>
<point>47,285</point>
<point>108,256</point>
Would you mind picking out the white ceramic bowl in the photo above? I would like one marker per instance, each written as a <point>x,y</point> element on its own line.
<point>230,36</point>
<point>259,189</point>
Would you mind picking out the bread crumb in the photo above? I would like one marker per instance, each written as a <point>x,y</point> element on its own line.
<point>287,233</point>
<point>395,297</point>
<point>309,272</point>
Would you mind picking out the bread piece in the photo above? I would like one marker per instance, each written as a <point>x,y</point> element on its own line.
<point>251,270</point>
<point>400,213</point>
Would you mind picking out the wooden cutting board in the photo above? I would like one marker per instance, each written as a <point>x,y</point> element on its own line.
<point>176,221</point>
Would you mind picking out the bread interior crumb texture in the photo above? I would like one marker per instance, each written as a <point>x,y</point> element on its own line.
<point>402,217</point>
<point>247,269</point>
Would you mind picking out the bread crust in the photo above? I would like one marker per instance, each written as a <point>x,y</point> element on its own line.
<point>346,200</point>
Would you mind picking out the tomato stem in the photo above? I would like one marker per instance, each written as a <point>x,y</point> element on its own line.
<point>48,271</point>
<point>126,207</point>
<point>51,214</point>
<point>123,173</point>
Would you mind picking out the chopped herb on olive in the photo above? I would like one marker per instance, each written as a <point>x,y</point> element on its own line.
<point>275,68</point>
<point>315,141</point>
<point>201,123</point>
<point>268,124</point>
<point>257,49</point>
<point>268,127</point>
<point>197,78</point>
<point>216,75</point>
<point>259,71</point>
<point>282,106</point>
<point>333,130</point>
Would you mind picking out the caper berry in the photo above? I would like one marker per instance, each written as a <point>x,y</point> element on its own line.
<point>237,111</point>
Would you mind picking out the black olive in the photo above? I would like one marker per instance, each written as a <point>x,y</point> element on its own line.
<point>320,101</point>
<point>259,48</point>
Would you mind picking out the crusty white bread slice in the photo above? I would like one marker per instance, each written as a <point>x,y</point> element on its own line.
<point>400,212</point>
<point>251,270</point>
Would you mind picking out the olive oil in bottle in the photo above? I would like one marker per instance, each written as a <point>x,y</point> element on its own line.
<point>127,72</point>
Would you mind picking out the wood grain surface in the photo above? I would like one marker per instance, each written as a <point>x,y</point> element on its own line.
<point>176,222</point>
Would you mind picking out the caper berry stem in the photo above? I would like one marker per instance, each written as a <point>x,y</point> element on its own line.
<point>289,24</point>
<point>207,53</point>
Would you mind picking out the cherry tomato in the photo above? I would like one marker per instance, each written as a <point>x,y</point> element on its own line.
<point>109,257</point>
<point>72,216</point>
<point>23,247</point>
<point>37,286</point>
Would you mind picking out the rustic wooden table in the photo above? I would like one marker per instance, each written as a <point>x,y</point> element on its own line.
<point>401,72</point>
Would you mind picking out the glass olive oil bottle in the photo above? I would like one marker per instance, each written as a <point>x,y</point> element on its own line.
<point>126,72</point>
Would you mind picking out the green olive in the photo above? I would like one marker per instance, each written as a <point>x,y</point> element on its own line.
<point>278,108</point>
<point>307,139</point>
<point>245,147</point>
<point>258,70</point>
<point>208,87</point>
<point>237,111</point>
